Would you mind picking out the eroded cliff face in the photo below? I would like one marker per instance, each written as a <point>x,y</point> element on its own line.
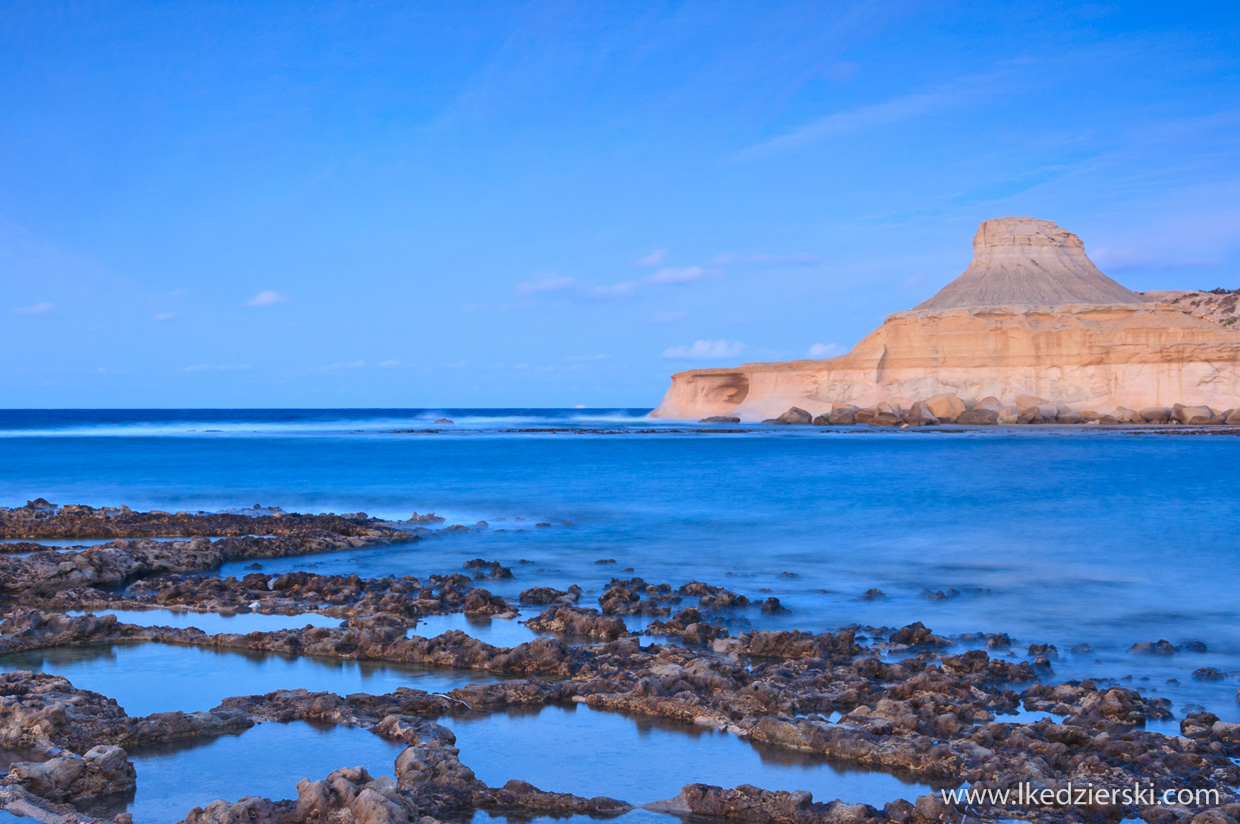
<point>1130,351</point>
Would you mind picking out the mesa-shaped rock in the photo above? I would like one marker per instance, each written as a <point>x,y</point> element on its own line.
<point>1032,317</point>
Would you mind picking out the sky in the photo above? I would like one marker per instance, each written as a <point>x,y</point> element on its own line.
<point>461,204</point>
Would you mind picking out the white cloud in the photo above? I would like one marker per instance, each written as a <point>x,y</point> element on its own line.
<point>668,317</point>
<point>615,291</point>
<point>267,297</point>
<point>705,350</point>
<point>37,309</point>
<point>799,259</point>
<point>165,316</point>
<point>686,274</point>
<point>653,259</point>
<point>216,367</point>
<point>823,350</point>
<point>542,287</point>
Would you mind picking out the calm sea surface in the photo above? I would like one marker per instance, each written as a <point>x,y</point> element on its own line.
<point>1053,535</point>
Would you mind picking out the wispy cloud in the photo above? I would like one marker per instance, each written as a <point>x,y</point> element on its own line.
<point>613,291</point>
<point>653,259</point>
<point>545,286</point>
<point>705,350</point>
<point>686,274</point>
<point>896,110</point>
<point>739,259</point>
<point>162,316</point>
<point>823,350</point>
<point>267,297</point>
<point>668,317</point>
<point>36,309</point>
<point>216,367</point>
<point>569,289</point>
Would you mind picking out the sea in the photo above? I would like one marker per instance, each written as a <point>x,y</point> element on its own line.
<point>1092,539</point>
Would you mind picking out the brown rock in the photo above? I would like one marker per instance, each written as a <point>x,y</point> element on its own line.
<point>978,417</point>
<point>1195,415</point>
<point>920,415</point>
<point>945,406</point>
<point>842,416</point>
<point>794,416</point>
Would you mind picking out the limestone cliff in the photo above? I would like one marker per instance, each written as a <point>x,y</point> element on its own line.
<point>1031,316</point>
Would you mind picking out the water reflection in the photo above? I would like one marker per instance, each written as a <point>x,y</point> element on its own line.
<point>267,760</point>
<point>640,759</point>
<point>152,677</point>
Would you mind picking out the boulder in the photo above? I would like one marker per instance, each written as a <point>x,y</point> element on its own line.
<point>886,409</point>
<point>823,420</point>
<point>1126,415</point>
<point>863,415</point>
<point>795,416</point>
<point>842,416</point>
<point>1040,413</point>
<point>103,770</point>
<point>1026,402</point>
<point>1196,415</point>
<point>1233,419</point>
<point>978,417</point>
<point>991,403</point>
<point>920,415</point>
<point>1155,414</point>
<point>1006,412</point>
<point>945,406</point>
<point>1071,417</point>
<point>885,415</point>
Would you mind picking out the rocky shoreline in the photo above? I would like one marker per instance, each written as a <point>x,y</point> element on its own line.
<point>949,409</point>
<point>894,699</point>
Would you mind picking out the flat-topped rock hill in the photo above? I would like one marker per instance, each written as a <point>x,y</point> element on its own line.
<point>1031,318</point>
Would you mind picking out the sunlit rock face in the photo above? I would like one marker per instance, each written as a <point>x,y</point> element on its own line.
<point>1031,317</point>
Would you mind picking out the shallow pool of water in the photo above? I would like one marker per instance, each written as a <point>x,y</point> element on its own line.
<point>639,759</point>
<point>498,632</point>
<point>62,543</point>
<point>151,677</point>
<point>267,760</point>
<point>510,632</point>
<point>214,623</point>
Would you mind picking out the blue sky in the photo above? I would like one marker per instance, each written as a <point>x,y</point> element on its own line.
<point>546,204</point>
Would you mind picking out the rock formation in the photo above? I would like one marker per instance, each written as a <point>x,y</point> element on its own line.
<point>1031,323</point>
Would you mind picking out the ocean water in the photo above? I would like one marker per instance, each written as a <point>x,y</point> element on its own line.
<point>1053,535</point>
